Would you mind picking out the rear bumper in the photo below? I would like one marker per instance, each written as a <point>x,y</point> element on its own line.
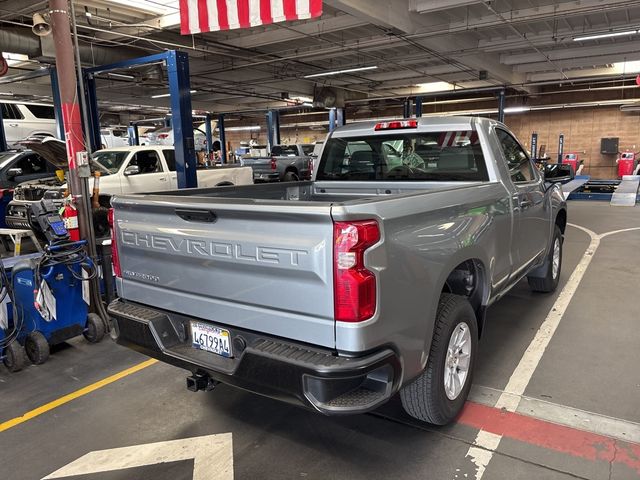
<point>266,176</point>
<point>293,372</point>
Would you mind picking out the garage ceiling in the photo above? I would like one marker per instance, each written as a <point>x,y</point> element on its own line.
<point>416,46</point>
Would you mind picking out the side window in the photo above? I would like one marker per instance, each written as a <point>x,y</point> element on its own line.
<point>11,112</point>
<point>148,161</point>
<point>170,157</point>
<point>520,167</point>
<point>42,111</point>
<point>31,165</point>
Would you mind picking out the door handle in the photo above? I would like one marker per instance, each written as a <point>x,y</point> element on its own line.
<point>163,179</point>
<point>13,124</point>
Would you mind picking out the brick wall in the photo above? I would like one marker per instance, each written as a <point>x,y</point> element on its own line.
<point>582,128</point>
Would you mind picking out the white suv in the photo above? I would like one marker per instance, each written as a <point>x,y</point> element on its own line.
<point>23,120</point>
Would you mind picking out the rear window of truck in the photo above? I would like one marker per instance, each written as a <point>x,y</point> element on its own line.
<point>405,156</point>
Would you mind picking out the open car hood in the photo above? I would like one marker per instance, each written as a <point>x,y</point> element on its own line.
<point>55,152</point>
<point>49,148</point>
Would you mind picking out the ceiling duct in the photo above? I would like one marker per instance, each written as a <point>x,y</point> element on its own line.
<point>23,41</point>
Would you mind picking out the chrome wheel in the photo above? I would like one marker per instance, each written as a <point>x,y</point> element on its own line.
<point>555,262</point>
<point>456,368</point>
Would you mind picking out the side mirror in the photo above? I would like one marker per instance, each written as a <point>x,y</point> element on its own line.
<point>132,170</point>
<point>14,172</point>
<point>558,172</point>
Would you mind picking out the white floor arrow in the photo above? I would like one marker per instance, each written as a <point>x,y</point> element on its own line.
<point>212,457</point>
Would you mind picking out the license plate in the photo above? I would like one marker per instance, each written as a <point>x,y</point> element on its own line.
<point>210,339</point>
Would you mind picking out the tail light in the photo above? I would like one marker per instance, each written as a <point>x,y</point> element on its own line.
<point>162,136</point>
<point>354,286</point>
<point>115,258</point>
<point>273,163</point>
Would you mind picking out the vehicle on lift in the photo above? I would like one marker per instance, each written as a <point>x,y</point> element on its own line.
<point>164,136</point>
<point>123,170</point>
<point>24,120</point>
<point>112,137</point>
<point>337,293</point>
<point>287,163</point>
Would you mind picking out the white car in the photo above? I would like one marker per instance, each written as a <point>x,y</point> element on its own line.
<point>164,136</point>
<point>24,120</point>
<point>112,137</point>
<point>153,168</point>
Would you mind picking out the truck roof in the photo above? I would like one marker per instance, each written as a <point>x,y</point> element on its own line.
<point>445,122</point>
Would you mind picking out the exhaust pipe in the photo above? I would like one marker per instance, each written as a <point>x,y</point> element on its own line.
<point>197,382</point>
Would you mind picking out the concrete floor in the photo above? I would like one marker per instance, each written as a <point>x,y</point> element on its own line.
<point>579,416</point>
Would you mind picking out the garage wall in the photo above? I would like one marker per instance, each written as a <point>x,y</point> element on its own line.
<point>582,128</point>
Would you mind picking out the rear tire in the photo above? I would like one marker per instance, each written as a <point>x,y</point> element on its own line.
<point>37,348</point>
<point>552,266</point>
<point>95,328</point>
<point>291,177</point>
<point>432,397</point>
<point>15,358</point>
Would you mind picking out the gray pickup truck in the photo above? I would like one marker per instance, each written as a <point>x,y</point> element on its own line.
<point>338,293</point>
<point>287,163</point>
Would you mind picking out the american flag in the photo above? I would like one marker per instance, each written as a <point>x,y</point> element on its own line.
<point>212,15</point>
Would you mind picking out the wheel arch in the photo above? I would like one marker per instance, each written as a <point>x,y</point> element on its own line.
<point>469,279</point>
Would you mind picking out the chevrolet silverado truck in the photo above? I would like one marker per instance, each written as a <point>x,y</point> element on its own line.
<point>338,293</point>
<point>287,163</point>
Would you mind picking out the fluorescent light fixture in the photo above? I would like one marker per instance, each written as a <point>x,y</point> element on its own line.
<point>144,5</point>
<point>605,35</point>
<point>168,94</point>
<point>14,58</point>
<point>302,99</point>
<point>242,129</point>
<point>338,72</point>
<point>121,75</point>
<point>627,67</point>
<point>516,109</point>
<point>435,87</point>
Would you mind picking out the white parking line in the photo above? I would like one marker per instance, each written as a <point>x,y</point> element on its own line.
<point>511,397</point>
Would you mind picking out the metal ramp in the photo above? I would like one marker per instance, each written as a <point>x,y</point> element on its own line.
<point>574,184</point>
<point>626,193</point>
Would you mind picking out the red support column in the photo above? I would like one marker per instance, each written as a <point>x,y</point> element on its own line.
<point>67,81</point>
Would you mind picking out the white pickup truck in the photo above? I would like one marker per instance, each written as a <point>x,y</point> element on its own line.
<point>125,170</point>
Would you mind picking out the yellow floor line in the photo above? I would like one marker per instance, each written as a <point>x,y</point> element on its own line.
<point>73,395</point>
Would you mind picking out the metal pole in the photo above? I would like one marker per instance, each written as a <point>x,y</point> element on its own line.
<point>223,138</point>
<point>276,127</point>
<point>270,130</point>
<point>340,118</point>
<point>534,145</point>
<point>3,138</point>
<point>90,110</point>
<point>418,107</point>
<point>68,84</point>
<point>182,118</point>
<point>501,106</point>
<point>208,135</point>
<point>57,107</point>
<point>560,147</point>
<point>332,119</point>
<point>406,109</point>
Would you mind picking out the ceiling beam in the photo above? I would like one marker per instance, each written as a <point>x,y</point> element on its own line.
<point>567,53</point>
<point>543,12</point>
<point>396,15</point>
<point>430,6</point>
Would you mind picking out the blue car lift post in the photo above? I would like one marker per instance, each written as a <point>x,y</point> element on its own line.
<point>177,64</point>
<point>56,100</point>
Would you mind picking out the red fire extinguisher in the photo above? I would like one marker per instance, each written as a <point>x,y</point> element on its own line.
<point>70,217</point>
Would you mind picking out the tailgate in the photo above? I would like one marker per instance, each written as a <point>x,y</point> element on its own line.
<point>260,267</point>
